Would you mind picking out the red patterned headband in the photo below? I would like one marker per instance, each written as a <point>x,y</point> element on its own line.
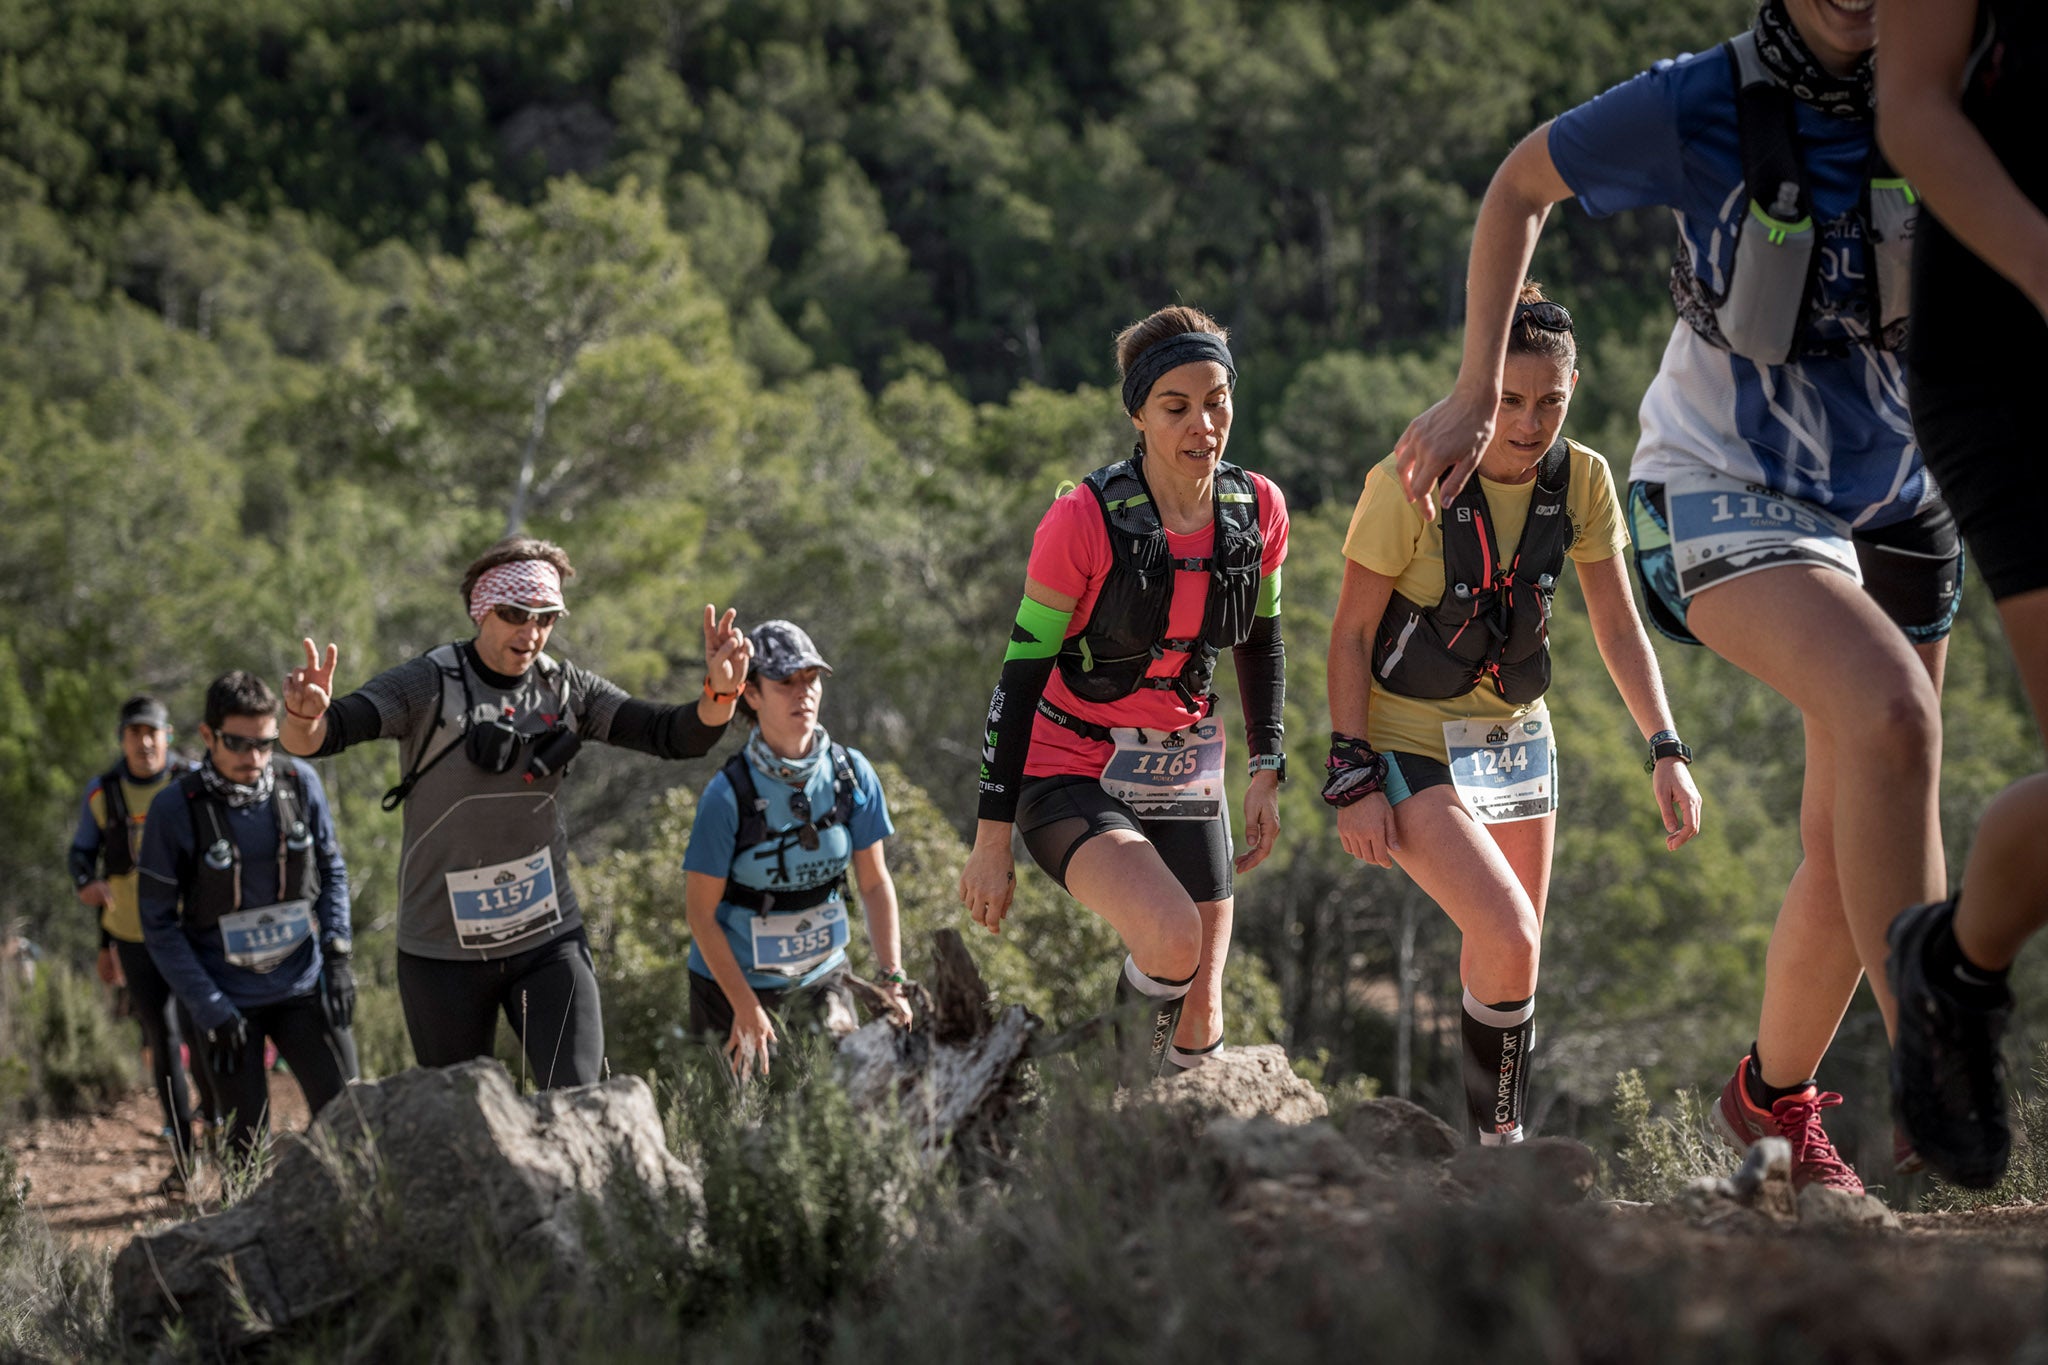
<point>531,583</point>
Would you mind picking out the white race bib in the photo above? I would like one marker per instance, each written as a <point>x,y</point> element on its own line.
<point>506,901</point>
<point>1167,775</point>
<point>792,944</point>
<point>1723,528</point>
<point>1504,769</point>
<point>262,938</point>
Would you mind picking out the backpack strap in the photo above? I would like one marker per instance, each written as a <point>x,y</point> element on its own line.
<point>422,765</point>
<point>753,827</point>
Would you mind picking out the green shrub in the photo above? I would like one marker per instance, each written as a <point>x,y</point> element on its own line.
<point>1661,1154</point>
<point>64,1052</point>
<point>55,1302</point>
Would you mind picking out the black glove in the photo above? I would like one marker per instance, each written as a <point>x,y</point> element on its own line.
<point>338,991</point>
<point>225,1044</point>
<point>1355,771</point>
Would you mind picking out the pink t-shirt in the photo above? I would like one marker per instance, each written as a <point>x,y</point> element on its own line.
<point>1071,555</point>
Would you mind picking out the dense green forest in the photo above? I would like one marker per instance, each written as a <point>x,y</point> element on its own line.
<point>804,306</point>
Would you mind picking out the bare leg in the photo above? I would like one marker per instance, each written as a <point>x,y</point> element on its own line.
<point>2005,883</point>
<point>1458,864</point>
<point>1816,638</point>
<point>1201,1019</point>
<point>1120,876</point>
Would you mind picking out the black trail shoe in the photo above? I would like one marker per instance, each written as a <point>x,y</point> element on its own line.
<point>1948,1079</point>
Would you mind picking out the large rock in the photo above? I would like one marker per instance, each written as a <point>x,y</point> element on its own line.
<point>1241,1151</point>
<point>1244,1082</point>
<point>1550,1170</point>
<point>1400,1128</point>
<point>414,1175</point>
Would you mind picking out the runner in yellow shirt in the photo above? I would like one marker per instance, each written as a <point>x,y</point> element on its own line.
<point>1441,752</point>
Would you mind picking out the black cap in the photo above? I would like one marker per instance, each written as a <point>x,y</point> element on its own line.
<point>145,711</point>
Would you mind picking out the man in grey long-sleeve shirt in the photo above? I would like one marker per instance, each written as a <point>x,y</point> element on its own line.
<point>488,922</point>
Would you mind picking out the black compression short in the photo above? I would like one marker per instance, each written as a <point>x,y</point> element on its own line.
<point>1056,815</point>
<point>1980,448</point>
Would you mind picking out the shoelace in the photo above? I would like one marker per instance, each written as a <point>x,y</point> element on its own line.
<point>1798,1119</point>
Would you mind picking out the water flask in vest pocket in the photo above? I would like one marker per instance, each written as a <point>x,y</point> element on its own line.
<point>493,745</point>
<point>1894,213</point>
<point>553,752</point>
<point>1773,261</point>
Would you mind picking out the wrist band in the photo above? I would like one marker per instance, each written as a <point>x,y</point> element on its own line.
<point>296,716</point>
<point>1355,771</point>
<point>718,698</point>
<point>897,978</point>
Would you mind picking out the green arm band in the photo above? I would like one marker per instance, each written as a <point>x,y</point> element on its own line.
<point>1038,633</point>
<point>1269,594</point>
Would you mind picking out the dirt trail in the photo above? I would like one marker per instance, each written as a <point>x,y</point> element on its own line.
<point>94,1179</point>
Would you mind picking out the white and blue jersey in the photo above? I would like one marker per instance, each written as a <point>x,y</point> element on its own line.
<point>804,945</point>
<point>1830,427</point>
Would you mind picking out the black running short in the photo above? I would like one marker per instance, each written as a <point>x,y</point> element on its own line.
<point>1056,815</point>
<point>1913,569</point>
<point>1976,443</point>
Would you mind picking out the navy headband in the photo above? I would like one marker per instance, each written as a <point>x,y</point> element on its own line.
<point>1171,354</point>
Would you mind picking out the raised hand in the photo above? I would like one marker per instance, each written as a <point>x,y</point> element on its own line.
<point>309,689</point>
<point>1445,444</point>
<point>727,651</point>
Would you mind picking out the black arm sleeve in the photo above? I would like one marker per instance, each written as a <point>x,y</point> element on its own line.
<point>85,865</point>
<point>664,731</point>
<point>1262,684</point>
<point>1008,741</point>
<point>350,720</point>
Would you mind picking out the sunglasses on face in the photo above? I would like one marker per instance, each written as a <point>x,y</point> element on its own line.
<point>807,832</point>
<point>245,744</point>
<point>1550,317</point>
<point>519,616</point>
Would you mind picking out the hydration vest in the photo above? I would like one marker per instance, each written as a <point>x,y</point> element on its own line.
<point>1493,620</point>
<point>458,712</point>
<point>1126,630</point>
<point>753,829</point>
<point>216,887</point>
<point>117,849</point>
<point>1773,275</point>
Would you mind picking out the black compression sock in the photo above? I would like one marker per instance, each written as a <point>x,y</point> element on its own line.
<point>1961,980</point>
<point>1144,1051</point>
<point>1497,1039</point>
<point>1761,1095</point>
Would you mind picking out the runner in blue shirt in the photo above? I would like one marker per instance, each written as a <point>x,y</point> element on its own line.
<point>767,860</point>
<point>1779,508</point>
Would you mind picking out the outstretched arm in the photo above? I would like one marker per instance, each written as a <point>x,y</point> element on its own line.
<point>1446,441</point>
<point>1923,50</point>
<point>1625,648</point>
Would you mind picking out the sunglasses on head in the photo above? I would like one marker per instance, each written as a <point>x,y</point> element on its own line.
<point>519,616</point>
<point>245,744</point>
<point>807,832</point>
<point>1550,317</point>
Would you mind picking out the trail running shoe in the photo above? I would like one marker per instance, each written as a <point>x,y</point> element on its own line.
<point>1948,1079</point>
<point>1906,1158</point>
<point>1796,1118</point>
<point>1738,1121</point>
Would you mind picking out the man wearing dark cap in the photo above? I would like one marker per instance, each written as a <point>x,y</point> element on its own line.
<point>103,863</point>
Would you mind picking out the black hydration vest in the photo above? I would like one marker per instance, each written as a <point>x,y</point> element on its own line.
<point>1773,275</point>
<point>1126,630</point>
<point>1493,620</point>
<point>216,887</point>
<point>753,829</point>
<point>117,849</point>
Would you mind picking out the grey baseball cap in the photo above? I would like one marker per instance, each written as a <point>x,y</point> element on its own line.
<point>781,648</point>
<point>145,711</point>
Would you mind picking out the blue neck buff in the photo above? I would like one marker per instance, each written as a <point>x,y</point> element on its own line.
<point>1171,354</point>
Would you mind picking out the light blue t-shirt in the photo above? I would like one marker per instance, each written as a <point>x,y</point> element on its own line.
<point>1833,429</point>
<point>781,863</point>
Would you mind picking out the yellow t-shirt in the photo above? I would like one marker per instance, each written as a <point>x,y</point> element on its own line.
<point>1389,536</point>
<point>122,915</point>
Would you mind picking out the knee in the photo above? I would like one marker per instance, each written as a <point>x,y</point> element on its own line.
<point>1513,950</point>
<point>1176,944</point>
<point>1902,725</point>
